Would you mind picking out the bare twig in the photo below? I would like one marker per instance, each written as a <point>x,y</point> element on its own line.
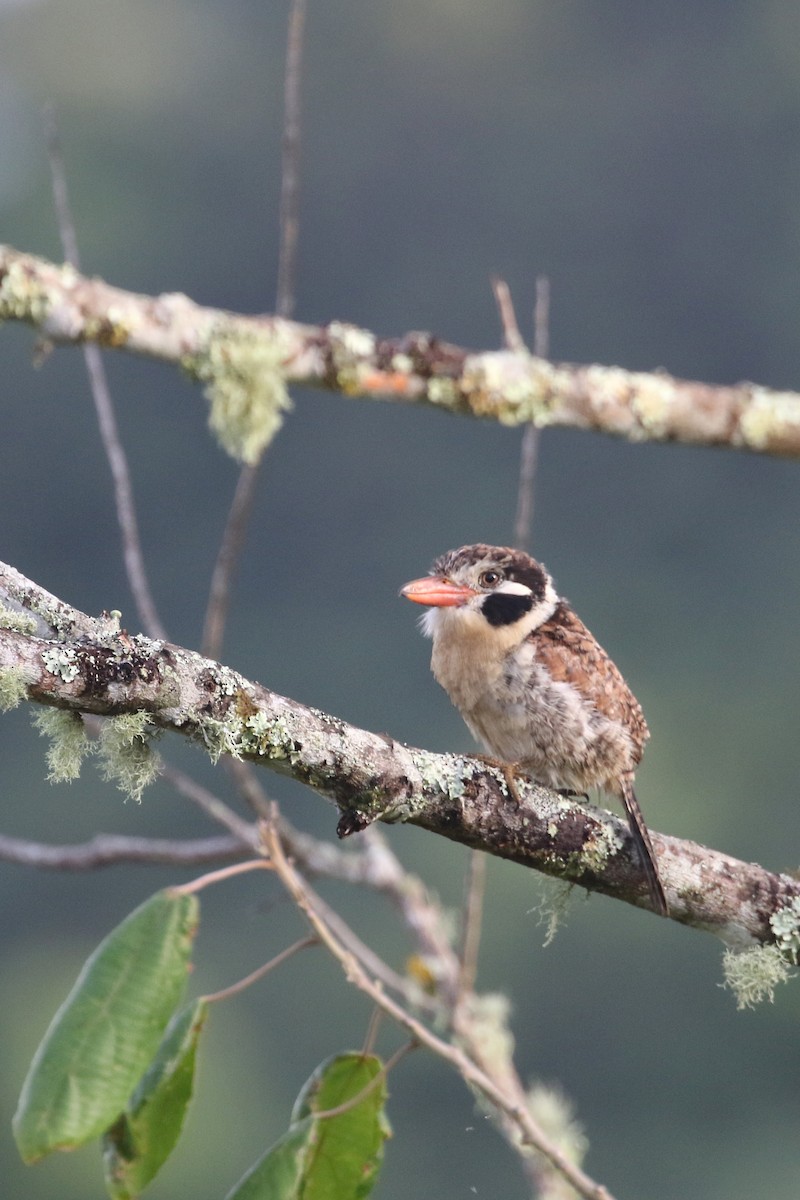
<point>250,787</point>
<point>512,338</point>
<point>290,163</point>
<point>423,916</point>
<point>106,850</point>
<point>371,961</point>
<point>473,915</point>
<point>212,806</point>
<point>541,318</point>
<point>230,550</point>
<point>370,1037</point>
<point>222,875</point>
<point>104,407</point>
<point>259,973</point>
<point>389,1065</point>
<point>529,450</point>
<point>58,180</point>
<point>529,1132</point>
<point>242,504</point>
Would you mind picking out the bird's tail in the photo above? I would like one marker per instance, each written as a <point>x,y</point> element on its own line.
<point>642,838</point>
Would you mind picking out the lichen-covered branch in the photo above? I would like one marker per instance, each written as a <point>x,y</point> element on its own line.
<point>94,666</point>
<point>246,364</point>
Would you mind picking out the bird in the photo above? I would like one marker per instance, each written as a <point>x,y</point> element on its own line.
<point>533,685</point>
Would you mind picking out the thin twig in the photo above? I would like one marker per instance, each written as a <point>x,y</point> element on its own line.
<point>530,1133</point>
<point>371,1035</point>
<point>473,915</point>
<point>107,850</point>
<point>243,498</point>
<point>220,876</point>
<point>512,338</point>
<point>230,549</point>
<point>367,957</point>
<point>212,806</point>
<point>260,972</point>
<point>390,1064</point>
<point>250,787</point>
<point>104,406</point>
<point>541,318</point>
<point>290,163</point>
<point>58,183</point>
<point>529,450</point>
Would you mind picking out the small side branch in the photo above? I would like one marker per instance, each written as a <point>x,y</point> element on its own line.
<point>108,850</point>
<point>509,1104</point>
<point>127,519</point>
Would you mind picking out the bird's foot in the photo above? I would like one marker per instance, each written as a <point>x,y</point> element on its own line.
<point>570,793</point>
<point>509,771</point>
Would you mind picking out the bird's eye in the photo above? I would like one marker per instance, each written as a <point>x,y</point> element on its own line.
<point>490,578</point>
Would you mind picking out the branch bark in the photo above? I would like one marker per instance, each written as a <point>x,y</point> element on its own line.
<point>108,849</point>
<point>90,665</point>
<point>510,386</point>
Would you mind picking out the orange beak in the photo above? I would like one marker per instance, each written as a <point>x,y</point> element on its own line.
<point>437,592</point>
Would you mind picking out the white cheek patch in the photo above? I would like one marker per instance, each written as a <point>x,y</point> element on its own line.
<point>544,610</point>
<point>510,587</point>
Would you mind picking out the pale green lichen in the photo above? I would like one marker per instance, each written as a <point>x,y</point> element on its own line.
<point>243,371</point>
<point>107,330</point>
<point>488,1017</point>
<point>554,900</point>
<point>785,923</point>
<point>228,682</point>
<point>258,723</point>
<point>447,775</point>
<point>600,847</point>
<point>652,403</point>
<point>60,661</point>
<point>554,1114</point>
<point>13,689</point>
<point>403,363</point>
<point>237,735</point>
<point>769,416</point>
<point>221,737</point>
<point>441,390</point>
<point>753,974</point>
<point>267,736</point>
<point>19,622</point>
<point>22,297</point>
<point>509,385</point>
<point>351,351</point>
<point>126,754</point>
<point>69,744</point>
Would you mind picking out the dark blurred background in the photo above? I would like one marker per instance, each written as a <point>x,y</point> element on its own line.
<point>647,159</point>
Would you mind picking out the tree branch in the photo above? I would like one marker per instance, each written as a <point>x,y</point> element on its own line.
<point>510,386</point>
<point>127,520</point>
<point>107,850</point>
<point>509,1102</point>
<point>95,667</point>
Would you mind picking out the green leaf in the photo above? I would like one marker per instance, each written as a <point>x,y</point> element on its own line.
<point>326,1158</point>
<point>108,1028</point>
<point>138,1144</point>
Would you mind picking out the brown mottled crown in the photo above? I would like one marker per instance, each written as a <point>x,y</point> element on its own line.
<point>516,564</point>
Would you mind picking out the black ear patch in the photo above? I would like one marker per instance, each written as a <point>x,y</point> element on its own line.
<point>504,608</point>
<point>523,569</point>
